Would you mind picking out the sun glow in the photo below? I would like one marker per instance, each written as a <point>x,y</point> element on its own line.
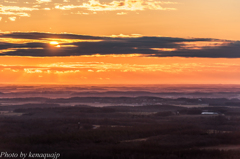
<point>54,43</point>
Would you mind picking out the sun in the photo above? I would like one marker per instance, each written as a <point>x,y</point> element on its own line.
<point>54,43</point>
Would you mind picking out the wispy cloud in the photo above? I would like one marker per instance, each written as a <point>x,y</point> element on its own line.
<point>16,10</point>
<point>12,18</point>
<point>128,5</point>
<point>24,9</point>
<point>103,67</point>
<point>44,1</point>
<point>23,44</point>
<point>121,13</point>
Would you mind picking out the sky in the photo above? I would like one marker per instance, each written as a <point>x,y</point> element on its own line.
<point>119,42</point>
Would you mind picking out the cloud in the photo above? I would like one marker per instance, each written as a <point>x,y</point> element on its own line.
<point>16,11</point>
<point>121,13</point>
<point>12,18</point>
<point>44,1</point>
<point>17,8</point>
<point>62,68</point>
<point>38,44</point>
<point>40,35</point>
<point>128,5</point>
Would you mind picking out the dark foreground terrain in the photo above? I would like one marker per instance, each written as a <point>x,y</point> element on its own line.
<point>159,129</point>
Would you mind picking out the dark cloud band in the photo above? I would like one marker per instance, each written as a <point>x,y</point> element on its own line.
<point>150,46</point>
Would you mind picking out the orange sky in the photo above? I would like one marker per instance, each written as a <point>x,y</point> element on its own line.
<point>215,19</point>
<point>174,18</point>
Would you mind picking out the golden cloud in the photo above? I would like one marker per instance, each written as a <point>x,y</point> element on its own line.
<point>16,11</point>
<point>121,13</point>
<point>12,18</point>
<point>46,40</point>
<point>44,1</point>
<point>128,5</point>
<point>91,5</point>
